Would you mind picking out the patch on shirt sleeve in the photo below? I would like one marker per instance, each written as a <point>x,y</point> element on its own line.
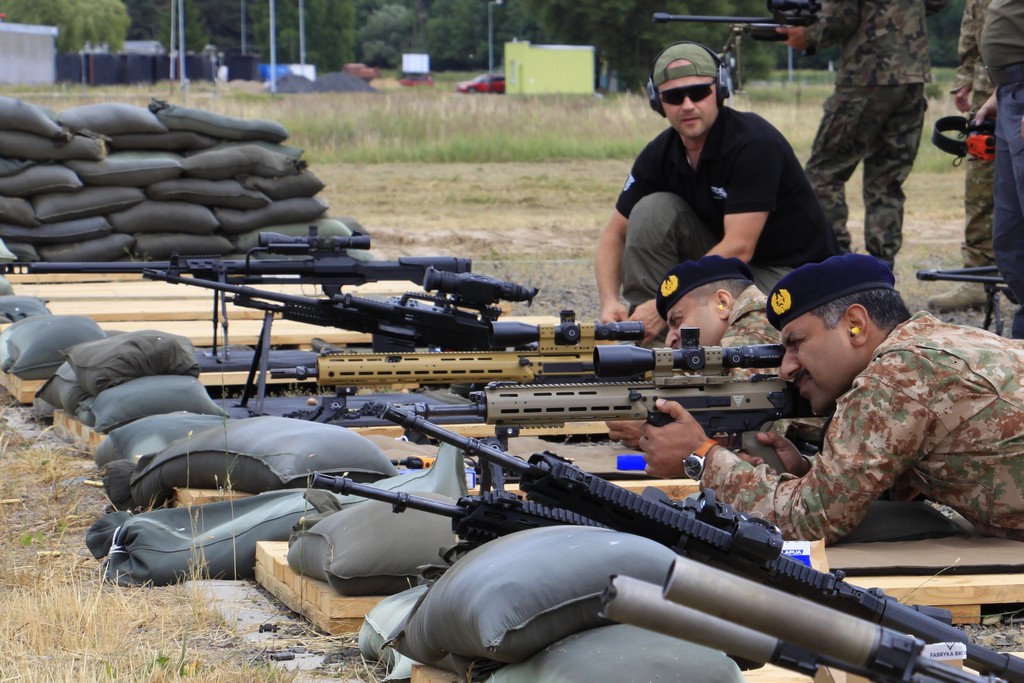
<point>629,182</point>
<point>719,192</point>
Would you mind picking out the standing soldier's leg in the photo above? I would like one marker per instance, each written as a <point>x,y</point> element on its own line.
<point>888,164</point>
<point>837,149</point>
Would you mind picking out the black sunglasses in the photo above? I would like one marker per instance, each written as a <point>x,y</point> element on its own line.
<point>696,93</point>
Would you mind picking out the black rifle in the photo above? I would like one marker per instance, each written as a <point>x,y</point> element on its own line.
<point>708,531</point>
<point>475,519</point>
<point>784,13</point>
<point>328,262</point>
<point>459,320</point>
<point>988,277</point>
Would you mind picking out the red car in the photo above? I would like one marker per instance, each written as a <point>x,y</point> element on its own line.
<point>483,83</point>
<point>416,79</point>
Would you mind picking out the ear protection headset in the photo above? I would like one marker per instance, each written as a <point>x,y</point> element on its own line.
<point>721,78</point>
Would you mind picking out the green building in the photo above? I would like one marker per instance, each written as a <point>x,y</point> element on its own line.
<point>545,69</point>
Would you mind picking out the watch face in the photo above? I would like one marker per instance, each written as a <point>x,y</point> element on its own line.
<point>693,466</point>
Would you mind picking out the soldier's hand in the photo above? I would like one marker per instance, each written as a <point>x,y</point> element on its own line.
<point>666,447</point>
<point>987,110</point>
<point>626,431</point>
<point>962,98</point>
<point>791,458</point>
<point>796,36</point>
<point>647,313</point>
<point>614,313</point>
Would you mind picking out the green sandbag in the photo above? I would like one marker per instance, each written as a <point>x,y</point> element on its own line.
<point>227,193</point>
<point>217,540</point>
<point>36,148</point>
<point>151,395</point>
<point>159,246</point>
<point>111,247</point>
<point>28,118</point>
<point>111,118</point>
<point>63,390</point>
<point>297,210</point>
<point>172,141</point>
<point>14,307</point>
<point>305,184</point>
<point>177,117</point>
<point>76,230</point>
<point>17,211</point>
<point>126,171</point>
<point>221,164</point>
<point>52,207</point>
<point>105,363</point>
<point>39,179</point>
<point>150,216</point>
<point>35,345</point>
<point>151,434</point>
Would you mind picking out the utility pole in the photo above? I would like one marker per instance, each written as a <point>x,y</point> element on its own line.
<point>490,38</point>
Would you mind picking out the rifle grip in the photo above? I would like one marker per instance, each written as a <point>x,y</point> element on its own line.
<point>658,418</point>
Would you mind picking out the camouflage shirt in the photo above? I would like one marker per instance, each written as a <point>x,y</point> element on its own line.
<point>938,412</point>
<point>882,42</point>
<point>748,323</point>
<point>971,70</point>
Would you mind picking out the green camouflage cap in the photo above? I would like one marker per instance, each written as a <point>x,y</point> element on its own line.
<point>701,63</point>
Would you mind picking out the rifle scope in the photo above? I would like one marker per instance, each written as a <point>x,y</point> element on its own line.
<point>784,6</point>
<point>629,361</point>
<point>474,288</point>
<point>276,243</point>
<point>506,334</point>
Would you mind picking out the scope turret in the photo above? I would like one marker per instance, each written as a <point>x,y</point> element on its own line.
<point>475,288</point>
<point>628,361</point>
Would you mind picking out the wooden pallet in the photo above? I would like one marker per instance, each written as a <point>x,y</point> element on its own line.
<point>313,599</point>
<point>187,497</point>
<point>23,390</point>
<point>73,431</point>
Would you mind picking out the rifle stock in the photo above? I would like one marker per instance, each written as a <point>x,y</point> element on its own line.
<point>712,533</point>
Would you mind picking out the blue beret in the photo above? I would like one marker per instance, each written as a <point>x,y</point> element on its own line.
<point>814,284</point>
<point>689,275</point>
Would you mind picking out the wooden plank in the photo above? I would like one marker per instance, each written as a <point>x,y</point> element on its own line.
<point>187,497</point>
<point>23,390</point>
<point>70,429</point>
<point>106,310</point>
<point>313,599</point>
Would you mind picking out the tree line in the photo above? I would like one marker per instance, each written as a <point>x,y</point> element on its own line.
<point>454,33</point>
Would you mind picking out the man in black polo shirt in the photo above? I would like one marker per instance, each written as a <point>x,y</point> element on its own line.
<point>717,181</point>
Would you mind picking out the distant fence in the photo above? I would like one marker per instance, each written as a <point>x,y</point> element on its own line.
<point>125,69</point>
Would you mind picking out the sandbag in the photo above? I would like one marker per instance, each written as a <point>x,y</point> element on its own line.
<point>159,246</point>
<point>52,207</point>
<point>28,118</point>
<point>369,549</point>
<point>304,184</point>
<point>227,193</point>
<point>378,625</point>
<point>216,540</point>
<point>5,284</point>
<point>176,117</point>
<point>256,454</point>
<point>150,216</point>
<point>14,307</point>
<point>300,209</point>
<point>111,118</point>
<point>287,150</point>
<point>111,247</point>
<point>35,345</point>
<point>36,148</point>
<point>172,141</point>
<point>151,434</point>
<point>10,167</point>
<point>127,171</point>
<point>6,255</point>
<point>620,652</point>
<point>17,211</point>
<point>105,363</point>
<point>533,601</point>
<point>23,251</point>
<point>221,164</point>
<point>76,230</point>
<point>39,179</point>
<point>63,390</point>
<point>151,395</point>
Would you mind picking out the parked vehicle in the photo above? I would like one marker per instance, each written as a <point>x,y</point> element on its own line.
<point>416,79</point>
<point>483,83</point>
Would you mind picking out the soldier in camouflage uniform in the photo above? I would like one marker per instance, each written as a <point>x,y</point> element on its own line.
<point>875,114</point>
<point>718,296</point>
<point>970,90</point>
<point>921,408</point>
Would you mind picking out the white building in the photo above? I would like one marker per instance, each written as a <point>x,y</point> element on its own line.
<point>27,54</point>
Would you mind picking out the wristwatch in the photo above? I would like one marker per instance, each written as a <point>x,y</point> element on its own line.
<point>693,465</point>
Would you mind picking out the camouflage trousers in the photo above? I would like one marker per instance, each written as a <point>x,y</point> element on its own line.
<point>881,126</point>
<point>978,203</point>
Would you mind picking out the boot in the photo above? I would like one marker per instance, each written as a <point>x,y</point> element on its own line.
<point>964,295</point>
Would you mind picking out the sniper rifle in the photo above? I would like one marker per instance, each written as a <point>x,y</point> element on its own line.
<point>328,262</point>
<point>710,532</point>
<point>988,277</point>
<point>543,353</point>
<point>459,317</point>
<point>721,404</point>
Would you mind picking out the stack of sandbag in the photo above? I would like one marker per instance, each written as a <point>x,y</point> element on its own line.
<point>542,589</point>
<point>110,181</point>
<point>111,381</point>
